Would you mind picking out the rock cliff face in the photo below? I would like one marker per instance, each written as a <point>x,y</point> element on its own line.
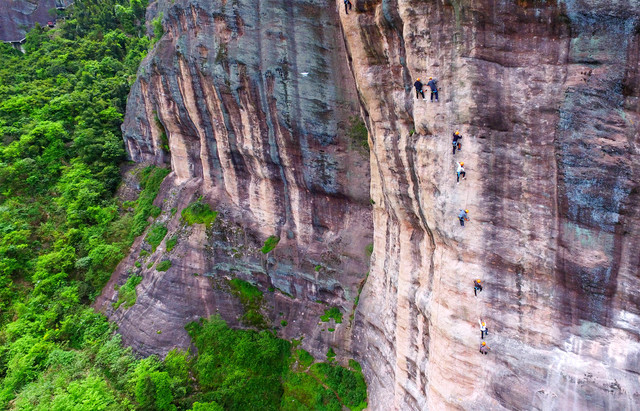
<point>19,16</point>
<point>253,106</point>
<point>546,96</point>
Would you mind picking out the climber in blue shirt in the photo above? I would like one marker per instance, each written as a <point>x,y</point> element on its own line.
<point>434,88</point>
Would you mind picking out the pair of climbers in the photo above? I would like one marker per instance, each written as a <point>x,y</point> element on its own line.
<point>347,6</point>
<point>484,348</point>
<point>433,86</point>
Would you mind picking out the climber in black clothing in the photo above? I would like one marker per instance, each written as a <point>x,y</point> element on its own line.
<point>418,85</point>
<point>476,287</point>
<point>456,141</point>
<point>434,88</point>
<point>347,6</point>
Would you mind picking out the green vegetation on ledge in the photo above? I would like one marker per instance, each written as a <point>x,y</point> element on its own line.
<point>127,293</point>
<point>171,243</point>
<point>163,265</point>
<point>199,213</point>
<point>251,299</point>
<point>270,243</point>
<point>156,234</point>
<point>333,312</point>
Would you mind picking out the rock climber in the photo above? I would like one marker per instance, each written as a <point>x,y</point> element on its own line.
<point>483,328</point>
<point>484,348</point>
<point>418,85</point>
<point>460,171</point>
<point>434,88</point>
<point>463,216</point>
<point>456,141</point>
<point>476,287</point>
<point>347,6</point>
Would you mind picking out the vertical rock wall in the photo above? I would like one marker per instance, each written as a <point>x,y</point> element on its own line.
<point>253,105</point>
<point>546,97</point>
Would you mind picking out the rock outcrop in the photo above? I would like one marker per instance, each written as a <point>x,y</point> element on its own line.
<point>256,111</point>
<point>19,16</point>
<point>546,96</point>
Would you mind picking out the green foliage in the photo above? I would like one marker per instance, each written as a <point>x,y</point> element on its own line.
<point>270,243</point>
<point>156,234</point>
<point>303,391</point>
<point>358,132</point>
<point>158,30</point>
<point>247,292</point>
<point>155,211</point>
<point>127,293</point>
<point>251,299</point>
<point>333,312</point>
<point>198,213</point>
<point>150,180</point>
<point>241,369</point>
<point>283,323</point>
<point>172,243</point>
<point>369,249</point>
<point>304,358</point>
<point>163,265</point>
<point>208,406</point>
<point>349,385</point>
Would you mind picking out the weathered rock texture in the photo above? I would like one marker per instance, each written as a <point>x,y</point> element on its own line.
<point>19,16</point>
<point>546,97</point>
<point>256,101</point>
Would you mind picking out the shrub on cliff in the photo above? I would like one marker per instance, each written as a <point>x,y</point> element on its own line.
<point>198,213</point>
<point>269,244</point>
<point>127,293</point>
<point>156,234</point>
<point>163,265</point>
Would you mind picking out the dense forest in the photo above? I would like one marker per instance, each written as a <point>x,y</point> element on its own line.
<point>63,230</point>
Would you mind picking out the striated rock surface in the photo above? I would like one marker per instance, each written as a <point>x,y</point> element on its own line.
<point>252,105</point>
<point>19,16</point>
<point>546,97</point>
